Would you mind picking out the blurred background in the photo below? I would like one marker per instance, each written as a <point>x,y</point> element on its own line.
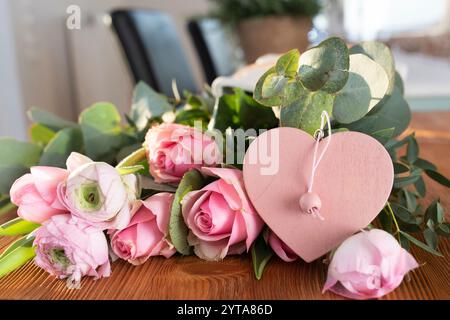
<point>64,55</point>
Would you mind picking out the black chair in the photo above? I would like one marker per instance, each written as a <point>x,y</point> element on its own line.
<point>218,55</point>
<point>153,49</point>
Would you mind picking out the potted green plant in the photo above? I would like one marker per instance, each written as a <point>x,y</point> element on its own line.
<point>267,26</point>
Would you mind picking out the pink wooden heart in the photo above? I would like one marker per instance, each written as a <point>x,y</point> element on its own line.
<point>353,179</point>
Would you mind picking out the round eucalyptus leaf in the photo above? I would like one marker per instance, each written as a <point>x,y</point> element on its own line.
<point>395,113</point>
<point>325,66</point>
<point>305,113</point>
<point>273,84</point>
<point>366,86</point>
<point>381,54</point>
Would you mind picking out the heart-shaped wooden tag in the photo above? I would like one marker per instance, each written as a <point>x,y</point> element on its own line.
<point>353,180</point>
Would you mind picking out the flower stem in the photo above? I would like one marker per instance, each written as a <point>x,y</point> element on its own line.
<point>397,231</point>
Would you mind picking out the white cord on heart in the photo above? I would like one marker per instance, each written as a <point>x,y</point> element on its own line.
<point>310,202</point>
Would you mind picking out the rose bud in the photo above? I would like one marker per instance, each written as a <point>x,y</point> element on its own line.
<point>71,250</point>
<point>368,265</point>
<point>147,233</point>
<point>35,193</point>
<point>173,149</point>
<point>97,193</point>
<point>220,217</point>
<point>280,248</point>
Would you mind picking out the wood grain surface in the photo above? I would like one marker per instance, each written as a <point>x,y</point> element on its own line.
<point>192,278</point>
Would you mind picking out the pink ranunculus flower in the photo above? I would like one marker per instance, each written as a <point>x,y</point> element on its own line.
<point>220,217</point>
<point>97,193</point>
<point>71,250</point>
<point>147,233</point>
<point>172,149</point>
<point>368,265</point>
<point>280,248</point>
<point>35,193</point>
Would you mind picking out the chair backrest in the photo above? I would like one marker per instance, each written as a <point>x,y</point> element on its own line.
<point>217,53</point>
<point>153,49</point>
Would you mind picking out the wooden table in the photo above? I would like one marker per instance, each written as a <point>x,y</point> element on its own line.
<point>192,278</point>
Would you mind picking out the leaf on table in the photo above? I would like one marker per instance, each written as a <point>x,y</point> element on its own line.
<point>17,226</point>
<point>436,176</point>
<point>325,67</point>
<point>420,244</point>
<point>366,85</point>
<point>261,254</point>
<point>16,255</point>
<point>178,231</point>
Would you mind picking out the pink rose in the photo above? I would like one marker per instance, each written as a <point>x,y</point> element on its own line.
<point>173,149</point>
<point>97,193</point>
<point>220,217</point>
<point>35,193</point>
<point>146,235</point>
<point>71,250</point>
<point>368,265</point>
<point>280,248</point>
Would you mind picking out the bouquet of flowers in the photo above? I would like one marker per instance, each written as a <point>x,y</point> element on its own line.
<point>170,180</point>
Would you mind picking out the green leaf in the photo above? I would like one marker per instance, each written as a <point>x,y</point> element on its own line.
<point>366,86</point>
<point>424,164</point>
<point>261,254</point>
<point>61,146</point>
<point>291,90</point>
<point>436,176</point>
<point>412,151</point>
<point>401,212</point>
<point>386,221</point>
<point>192,180</point>
<point>399,83</point>
<point>383,135</point>
<point>273,85</point>
<point>130,169</point>
<point>16,255</point>
<point>431,238</point>
<point>287,64</point>
<point>17,226</point>
<point>400,168</point>
<point>435,213</point>
<point>49,120</point>
<point>15,160</point>
<point>395,113</point>
<point>444,229</point>
<point>411,201</point>
<point>133,159</point>
<point>400,182</point>
<point>420,244</point>
<point>420,187</point>
<point>189,117</point>
<point>381,54</point>
<point>102,131</point>
<point>147,104</point>
<point>40,134</point>
<point>239,110</point>
<point>305,113</point>
<point>404,242</point>
<point>325,67</point>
